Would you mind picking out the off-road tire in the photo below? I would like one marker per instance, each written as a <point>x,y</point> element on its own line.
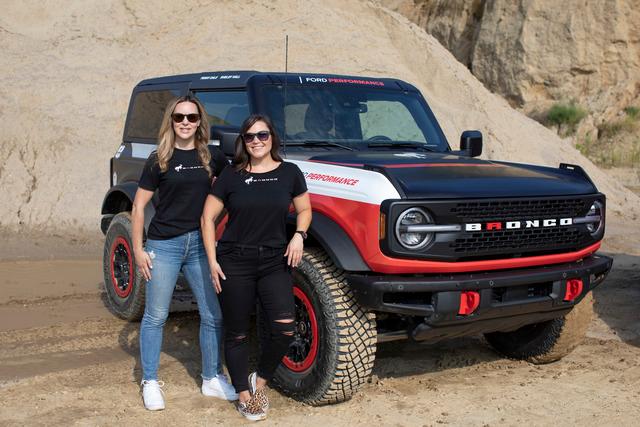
<point>124,286</point>
<point>546,342</point>
<point>346,336</point>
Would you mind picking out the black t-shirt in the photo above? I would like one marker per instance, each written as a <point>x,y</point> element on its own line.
<point>182,190</point>
<point>258,203</point>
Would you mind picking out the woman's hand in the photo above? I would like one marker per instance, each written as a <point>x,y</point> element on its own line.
<point>216,275</point>
<point>212,208</point>
<point>302,205</point>
<point>142,258</point>
<point>143,263</point>
<point>294,250</point>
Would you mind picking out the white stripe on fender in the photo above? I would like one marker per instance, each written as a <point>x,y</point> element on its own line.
<point>345,182</point>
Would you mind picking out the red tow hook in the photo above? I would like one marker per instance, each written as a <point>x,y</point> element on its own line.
<point>574,288</point>
<point>469,301</point>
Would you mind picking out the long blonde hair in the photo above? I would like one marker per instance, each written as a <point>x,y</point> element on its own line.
<point>167,136</point>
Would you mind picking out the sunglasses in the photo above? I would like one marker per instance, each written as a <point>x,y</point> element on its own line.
<point>263,135</point>
<point>178,118</point>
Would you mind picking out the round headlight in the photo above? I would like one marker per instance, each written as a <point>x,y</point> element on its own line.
<point>406,226</point>
<point>596,215</point>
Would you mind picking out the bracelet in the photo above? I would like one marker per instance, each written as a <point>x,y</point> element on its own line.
<point>302,233</point>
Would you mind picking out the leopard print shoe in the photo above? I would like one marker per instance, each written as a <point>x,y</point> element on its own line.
<point>260,394</point>
<point>251,409</point>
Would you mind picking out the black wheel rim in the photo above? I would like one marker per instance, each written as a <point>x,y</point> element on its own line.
<point>121,267</point>
<point>304,348</point>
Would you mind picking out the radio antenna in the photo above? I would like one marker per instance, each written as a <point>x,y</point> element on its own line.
<point>284,103</point>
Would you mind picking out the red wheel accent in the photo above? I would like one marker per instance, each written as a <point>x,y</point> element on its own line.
<point>122,265</point>
<point>303,351</point>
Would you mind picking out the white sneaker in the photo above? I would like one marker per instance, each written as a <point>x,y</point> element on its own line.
<point>152,395</point>
<point>219,387</point>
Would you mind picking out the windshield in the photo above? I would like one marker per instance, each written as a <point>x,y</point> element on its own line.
<point>358,117</point>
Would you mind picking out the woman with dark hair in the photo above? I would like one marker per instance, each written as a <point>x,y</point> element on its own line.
<point>254,256</point>
<point>181,170</point>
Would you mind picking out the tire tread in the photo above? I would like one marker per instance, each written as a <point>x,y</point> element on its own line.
<point>354,347</point>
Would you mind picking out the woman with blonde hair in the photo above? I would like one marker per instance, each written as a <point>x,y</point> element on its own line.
<point>181,170</point>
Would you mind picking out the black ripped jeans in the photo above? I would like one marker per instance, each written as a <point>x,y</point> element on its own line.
<point>255,273</point>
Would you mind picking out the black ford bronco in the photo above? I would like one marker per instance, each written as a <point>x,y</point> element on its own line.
<point>410,239</point>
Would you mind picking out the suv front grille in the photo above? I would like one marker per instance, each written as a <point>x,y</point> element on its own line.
<point>505,242</point>
<point>511,210</point>
<point>517,240</point>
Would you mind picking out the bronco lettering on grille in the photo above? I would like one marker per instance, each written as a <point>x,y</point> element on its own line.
<point>515,225</point>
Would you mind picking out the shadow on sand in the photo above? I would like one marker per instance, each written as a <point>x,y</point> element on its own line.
<point>180,340</point>
<point>617,299</point>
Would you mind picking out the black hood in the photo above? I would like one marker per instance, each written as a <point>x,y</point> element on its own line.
<point>446,176</point>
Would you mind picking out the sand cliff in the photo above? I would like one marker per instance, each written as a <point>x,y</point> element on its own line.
<point>537,53</point>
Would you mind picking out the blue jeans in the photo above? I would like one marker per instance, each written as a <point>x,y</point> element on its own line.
<point>184,253</point>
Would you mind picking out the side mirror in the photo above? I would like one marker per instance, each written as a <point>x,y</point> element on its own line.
<point>471,143</point>
<point>225,138</point>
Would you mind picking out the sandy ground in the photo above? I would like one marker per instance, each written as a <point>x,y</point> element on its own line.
<point>65,360</point>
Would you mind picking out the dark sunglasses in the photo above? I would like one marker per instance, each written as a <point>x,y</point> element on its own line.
<point>178,118</point>
<point>263,135</point>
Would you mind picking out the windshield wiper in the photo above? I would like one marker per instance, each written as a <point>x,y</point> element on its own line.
<point>319,142</point>
<point>399,144</point>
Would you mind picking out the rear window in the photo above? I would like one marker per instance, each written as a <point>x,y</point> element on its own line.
<point>147,111</point>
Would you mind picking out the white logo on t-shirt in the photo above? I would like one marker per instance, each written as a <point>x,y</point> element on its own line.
<point>251,179</point>
<point>180,167</point>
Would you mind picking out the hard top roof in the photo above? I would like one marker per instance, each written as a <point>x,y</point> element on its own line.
<point>239,79</point>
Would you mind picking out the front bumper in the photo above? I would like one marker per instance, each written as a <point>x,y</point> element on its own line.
<point>509,299</point>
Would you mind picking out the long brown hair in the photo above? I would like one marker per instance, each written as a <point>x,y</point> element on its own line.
<point>241,157</point>
<point>167,136</point>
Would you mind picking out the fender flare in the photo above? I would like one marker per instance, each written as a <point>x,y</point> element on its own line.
<point>335,241</point>
<point>112,204</point>
<point>112,200</point>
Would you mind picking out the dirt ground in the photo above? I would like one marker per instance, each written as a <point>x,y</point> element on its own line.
<point>65,360</point>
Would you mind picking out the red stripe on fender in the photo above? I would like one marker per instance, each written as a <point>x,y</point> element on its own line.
<point>358,219</point>
<point>364,233</point>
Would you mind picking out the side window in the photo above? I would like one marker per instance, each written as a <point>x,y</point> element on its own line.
<point>228,108</point>
<point>147,111</point>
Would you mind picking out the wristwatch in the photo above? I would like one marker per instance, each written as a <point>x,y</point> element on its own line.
<point>302,233</point>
